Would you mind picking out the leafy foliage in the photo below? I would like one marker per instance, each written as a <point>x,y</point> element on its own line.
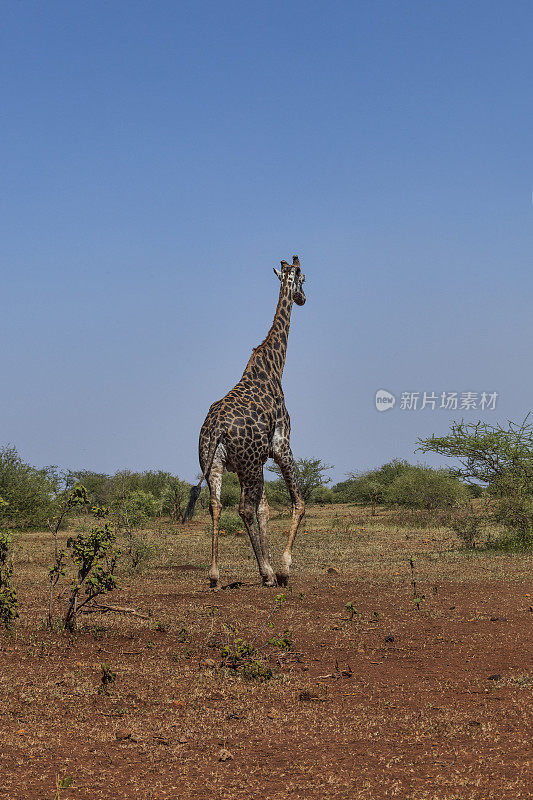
<point>230,493</point>
<point>403,484</point>
<point>370,486</point>
<point>231,523</point>
<point>310,474</point>
<point>136,508</point>
<point>499,457</point>
<point>8,595</point>
<point>174,495</point>
<point>241,656</point>
<point>27,493</point>
<point>424,487</point>
<point>322,496</point>
<point>96,559</point>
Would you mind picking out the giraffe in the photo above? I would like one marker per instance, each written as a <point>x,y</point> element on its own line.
<point>248,426</point>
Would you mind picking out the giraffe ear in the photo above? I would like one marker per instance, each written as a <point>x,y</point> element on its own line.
<point>295,261</point>
<point>278,273</point>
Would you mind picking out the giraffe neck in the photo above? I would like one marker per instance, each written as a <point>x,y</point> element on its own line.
<point>269,357</point>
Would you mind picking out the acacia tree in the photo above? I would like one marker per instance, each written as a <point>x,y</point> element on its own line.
<point>310,474</point>
<point>499,457</point>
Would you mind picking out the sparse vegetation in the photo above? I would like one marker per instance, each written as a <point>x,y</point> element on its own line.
<point>311,473</point>
<point>500,458</point>
<point>8,595</point>
<point>242,657</point>
<point>107,678</point>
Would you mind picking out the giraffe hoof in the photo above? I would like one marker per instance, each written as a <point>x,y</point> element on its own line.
<point>213,584</point>
<point>269,582</point>
<point>283,580</point>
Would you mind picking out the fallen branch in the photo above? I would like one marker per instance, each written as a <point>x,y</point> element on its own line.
<point>103,609</point>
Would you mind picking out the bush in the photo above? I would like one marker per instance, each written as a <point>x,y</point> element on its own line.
<point>423,487</point>
<point>231,524</point>
<point>369,487</point>
<point>230,493</point>
<point>8,595</point>
<point>95,558</point>
<point>174,496</point>
<point>467,525</point>
<point>27,493</point>
<point>140,549</point>
<point>501,458</point>
<point>310,474</point>
<point>136,509</point>
<point>277,494</point>
<point>322,495</point>
<point>97,484</point>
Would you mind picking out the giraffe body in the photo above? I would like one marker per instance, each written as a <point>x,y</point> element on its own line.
<point>248,426</point>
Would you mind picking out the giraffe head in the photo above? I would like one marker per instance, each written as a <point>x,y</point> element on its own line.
<point>295,279</point>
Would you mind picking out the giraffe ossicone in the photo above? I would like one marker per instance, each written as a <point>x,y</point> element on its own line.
<point>248,426</point>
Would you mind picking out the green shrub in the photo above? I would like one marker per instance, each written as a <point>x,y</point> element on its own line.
<point>242,657</point>
<point>27,493</point>
<point>174,497</point>
<point>310,474</point>
<point>230,493</point>
<point>322,496</point>
<point>468,526</point>
<point>369,487</point>
<point>424,487</point>
<point>140,549</point>
<point>136,508</point>
<point>96,558</point>
<point>8,595</point>
<point>499,458</point>
<point>97,484</point>
<point>230,523</point>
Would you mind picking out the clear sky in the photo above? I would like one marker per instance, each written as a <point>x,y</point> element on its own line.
<point>159,158</point>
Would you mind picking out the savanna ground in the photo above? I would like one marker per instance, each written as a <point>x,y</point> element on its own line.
<point>385,699</point>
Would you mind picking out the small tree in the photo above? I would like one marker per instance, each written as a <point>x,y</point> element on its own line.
<point>174,495</point>
<point>96,558</point>
<point>322,496</point>
<point>8,595</point>
<point>367,490</point>
<point>97,484</point>
<point>70,498</point>
<point>369,487</point>
<point>230,493</point>
<point>310,474</point>
<point>136,508</point>
<point>501,458</point>
<point>424,487</point>
<point>26,492</point>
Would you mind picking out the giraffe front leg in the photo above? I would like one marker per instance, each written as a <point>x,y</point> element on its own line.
<point>251,495</point>
<point>284,459</point>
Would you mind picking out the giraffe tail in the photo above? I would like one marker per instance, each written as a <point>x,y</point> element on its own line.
<point>193,497</point>
<point>195,490</point>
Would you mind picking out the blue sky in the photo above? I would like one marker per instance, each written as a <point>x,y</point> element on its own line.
<point>160,158</point>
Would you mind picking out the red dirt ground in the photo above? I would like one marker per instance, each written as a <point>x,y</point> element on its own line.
<point>429,704</point>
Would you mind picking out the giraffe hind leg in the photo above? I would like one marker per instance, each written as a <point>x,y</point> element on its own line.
<point>262,521</point>
<point>251,496</point>
<point>214,481</point>
<point>284,459</point>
